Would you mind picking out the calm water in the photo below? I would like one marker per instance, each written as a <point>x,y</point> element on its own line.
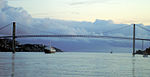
<point>73,64</point>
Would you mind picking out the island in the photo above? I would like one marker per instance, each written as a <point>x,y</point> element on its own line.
<point>6,46</point>
<point>143,52</point>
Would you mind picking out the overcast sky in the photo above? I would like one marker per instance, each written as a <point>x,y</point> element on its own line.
<point>120,11</point>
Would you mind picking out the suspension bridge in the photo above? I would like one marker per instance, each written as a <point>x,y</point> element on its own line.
<point>14,36</point>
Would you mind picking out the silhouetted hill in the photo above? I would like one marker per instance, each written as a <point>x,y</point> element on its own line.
<point>146,51</point>
<point>6,46</point>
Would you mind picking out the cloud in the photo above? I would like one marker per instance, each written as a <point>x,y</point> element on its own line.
<point>88,2</point>
<point>78,3</point>
<point>26,24</point>
<point>76,13</point>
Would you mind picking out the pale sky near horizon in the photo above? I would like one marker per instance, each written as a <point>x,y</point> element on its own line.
<point>119,11</point>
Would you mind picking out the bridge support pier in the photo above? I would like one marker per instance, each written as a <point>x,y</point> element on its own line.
<point>14,38</point>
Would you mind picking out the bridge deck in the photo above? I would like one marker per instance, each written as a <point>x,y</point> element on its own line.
<point>82,36</point>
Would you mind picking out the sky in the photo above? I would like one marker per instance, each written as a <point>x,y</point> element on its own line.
<point>80,17</point>
<point>119,11</point>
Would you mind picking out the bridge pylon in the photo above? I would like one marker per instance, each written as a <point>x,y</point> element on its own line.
<point>133,53</point>
<point>14,38</point>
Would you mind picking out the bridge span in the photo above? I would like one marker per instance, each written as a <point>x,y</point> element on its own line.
<point>14,36</point>
<point>77,36</point>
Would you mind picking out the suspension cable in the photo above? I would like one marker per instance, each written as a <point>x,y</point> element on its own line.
<point>5,26</point>
<point>41,30</point>
<point>115,29</point>
<point>143,28</point>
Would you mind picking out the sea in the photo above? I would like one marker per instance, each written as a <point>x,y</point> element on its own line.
<point>73,64</point>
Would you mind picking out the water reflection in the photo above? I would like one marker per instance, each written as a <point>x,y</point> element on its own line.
<point>13,65</point>
<point>133,67</point>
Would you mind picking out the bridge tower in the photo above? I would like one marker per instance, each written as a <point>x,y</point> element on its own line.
<point>133,53</point>
<point>14,38</point>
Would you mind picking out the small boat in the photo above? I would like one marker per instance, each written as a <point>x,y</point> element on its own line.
<point>111,52</point>
<point>52,50</point>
